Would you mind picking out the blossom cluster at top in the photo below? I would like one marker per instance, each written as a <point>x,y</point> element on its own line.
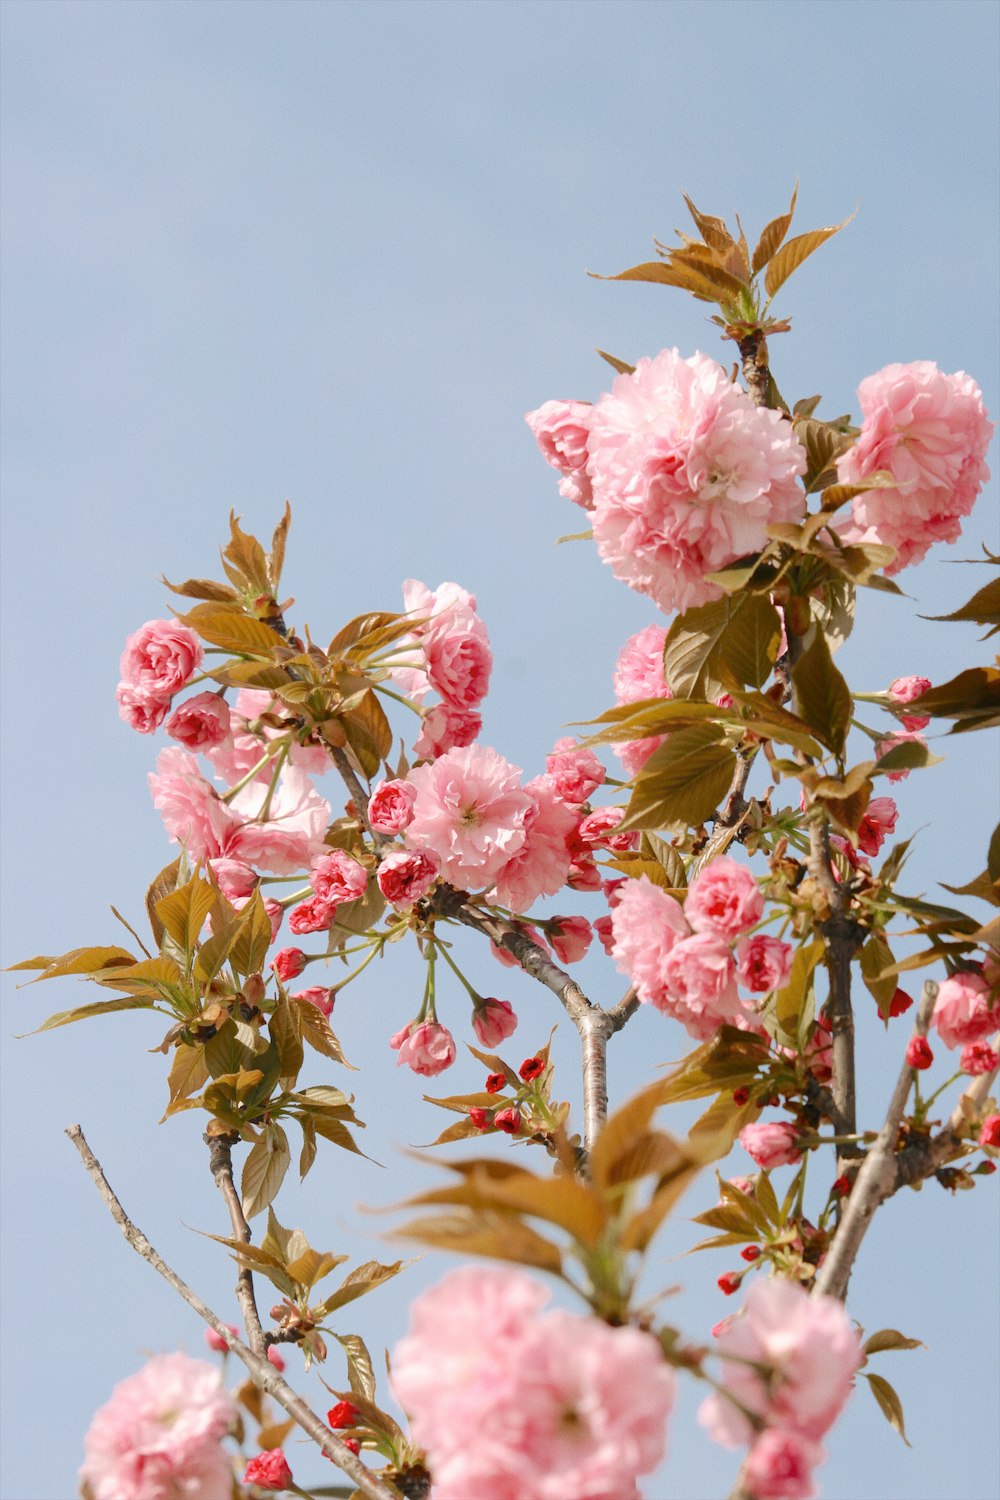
<point>682,474</point>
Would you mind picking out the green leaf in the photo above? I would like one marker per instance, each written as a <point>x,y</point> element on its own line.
<point>683,781</point>
<point>264,1170</point>
<point>791,255</point>
<point>822,697</point>
<point>691,649</point>
<point>749,648</point>
<point>889,1403</point>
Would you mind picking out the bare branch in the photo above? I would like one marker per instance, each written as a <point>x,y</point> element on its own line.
<point>264,1374</point>
<point>220,1148</point>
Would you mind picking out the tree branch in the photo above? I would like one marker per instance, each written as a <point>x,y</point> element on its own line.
<point>264,1375</point>
<point>220,1160</point>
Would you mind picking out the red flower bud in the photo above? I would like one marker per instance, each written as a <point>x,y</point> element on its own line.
<point>752,1252</point>
<point>918,1052</point>
<point>729,1283</point>
<point>507,1120</point>
<point>269,1471</point>
<point>480,1117</point>
<point>343,1414</point>
<point>740,1096</point>
<point>532,1067</point>
<point>900,1001</point>
<point>495,1083</point>
<point>841,1187</point>
<point>353,1445</point>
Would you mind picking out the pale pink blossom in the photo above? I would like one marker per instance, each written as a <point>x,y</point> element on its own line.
<point>160,657</point>
<point>723,899</point>
<point>930,432</point>
<point>453,644</point>
<point>978,1058</point>
<point>812,1349</point>
<point>405,875</point>
<point>390,807</point>
<point>646,924</point>
<point>310,916</point>
<point>250,737</point>
<point>763,963</point>
<point>560,429</point>
<point>192,813</point>
<point>446,728</point>
<point>904,690</point>
<point>901,738</point>
<point>639,675</point>
<point>779,1465</point>
<point>425,1046</point>
<point>561,1405</point>
<point>318,995</point>
<point>140,711</point>
<point>876,825</point>
<point>965,1009</point>
<point>200,722</point>
<point>575,772</point>
<point>470,814</point>
<point>570,938</point>
<point>771,1144</point>
<point>687,474</point>
<point>493,1021</point>
<point>699,985</point>
<point>541,865</point>
<point>292,834</point>
<point>337,878</point>
<point>235,879</point>
<point>597,830</point>
<point>158,1437</point>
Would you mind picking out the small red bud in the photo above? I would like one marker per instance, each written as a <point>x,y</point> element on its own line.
<point>900,1001</point>
<point>495,1083</point>
<point>918,1052</point>
<point>352,1444</point>
<point>841,1187</point>
<point>532,1067</point>
<point>508,1120</point>
<point>343,1414</point>
<point>729,1282</point>
<point>740,1096</point>
<point>480,1117</point>
<point>751,1253</point>
<point>986,1169</point>
<point>275,1359</point>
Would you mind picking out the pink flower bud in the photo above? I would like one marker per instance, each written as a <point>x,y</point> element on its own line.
<point>344,1414</point>
<point>288,964</point>
<point>217,1342</point>
<point>337,878</point>
<point>597,830</point>
<point>200,723</point>
<point>275,1359</point>
<point>406,875</point>
<point>904,690</point>
<point>426,1046</point>
<point>750,1253</point>
<point>508,1120</point>
<point>771,1145</point>
<point>310,916</point>
<point>275,913</point>
<point>576,772</point>
<point>918,1052</point>
<point>352,1445</point>
<point>841,1188</point>
<point>480,1117</point>
<point>570,938</point>
<point>493,1021</point>
<point>269,1471</point>
<point>495,1083</point>
<point>532,1068</point>
<point>318,995</point>
<point>900,1002</point>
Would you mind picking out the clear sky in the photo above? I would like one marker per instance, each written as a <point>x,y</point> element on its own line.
<point>334,251</point>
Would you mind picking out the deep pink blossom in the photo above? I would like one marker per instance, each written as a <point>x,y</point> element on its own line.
<point>158,1437</point>
<point>541,865</point>
<point>904,690</point>
<point>779,1465</point>
<point>560,429</point>
<point>811,1347</point>
<point>160,657</point>
<point>605,934</point>
<point>310,916</point>
<point>288,964</point>
<point>876,825</point>
<point>763,963</point>
<point>216,1342</point>
<point>570,938</point>
<point>978,1058</point>
<point>493,1021</point>
<point>405,875</point>
<point>989,1134</point>
<point>771,1144</point>
<point>929,431</point>
<point>470,814</point>
<point>337,878</point>
<point>597,830</point>
<point>645,924</point>
<point>687,474</point>
<point>575,772</point>
<point>201,722</point>
<point>390,807</point>
<point>723,899</point>
<point>918,1053</point>
<point>965,1010</point>
<point>269,1471</point>
<point>425,1046</point>
<point>318,995</point>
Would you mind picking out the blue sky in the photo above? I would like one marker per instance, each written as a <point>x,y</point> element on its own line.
<point>334,252</point>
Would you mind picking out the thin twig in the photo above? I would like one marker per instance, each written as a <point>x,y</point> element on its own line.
<point>264,1374</point>
<point>220,1158</point>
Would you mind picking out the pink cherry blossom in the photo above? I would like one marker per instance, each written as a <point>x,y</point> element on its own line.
<point>687,474</point>
<point>318,995</point>
<point>201,722</point>
<point>541,865</point>
<point>646,924</point>
<point>978,1058</point>
<point>605,934</point>
<point>446,728</point>
<point>291,835</point>
<point>723,899</point>
<point>493,1021</point>
<point>597,830</point>
<point>965,1009</point>
<point>250,736</point>
<point>763,963</point>
<point>405,875</point>
<point>216,1342</point>
<point>771,1144</point>
<point>561,1405</point>
<point>310,916</point>
<point>269,1471</point>
<point>470,814</point>
<point>779,1465</point>
<point>337,878</point>
<point>234,878</point>
<point>160,657</point>
<point>929,431</point>
<point>158,1437</point>
<point>288,964</point>
<point>878,822</point>
<point>425,1046</point>
<point>575,772</point>
<point>639,675</point>
<point>570,938</point>
<point>811,1347</point>
<point>699,985</point>
<point>560,429</point>
<point>453,644</point>
<point>904,690</point>
<point>140,711</point>
<point>390,807</point>
<point>192,813</point>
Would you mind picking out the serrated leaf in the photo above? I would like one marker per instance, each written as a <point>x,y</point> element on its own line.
<point>158,976</point>
<point>890,1338</point>
<point>822,697</point>
<point>369,733</point>
<point>982,609</point>
<point>362,1280</point>
<point>497,1236</point>
<point>683,781</point>
<point>908,755</point>
<point>276,560</point>
<point>264,1171</point>
<point>749,649</point>
<point>232,630</point>
<point>889,1403</point>
<point>311,1266</point>
<point>790,256</point>
<point>203,588</point>
<point>316,1030</point>
<point>690,651</point>
<point>188,1072</point>
<point>77,961</point>
<point>712,229</point>
<point>285,1030</point>
<point>771,237</point>
<point>790,1001</point>
<point>667,858</point>
<point>184,912</point>
<point>972,693</point>
<point>87,1012</point>
<point>249,951</point>
<point>823,445</point>
<point>706,286</point>
<point>360,1372</point>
